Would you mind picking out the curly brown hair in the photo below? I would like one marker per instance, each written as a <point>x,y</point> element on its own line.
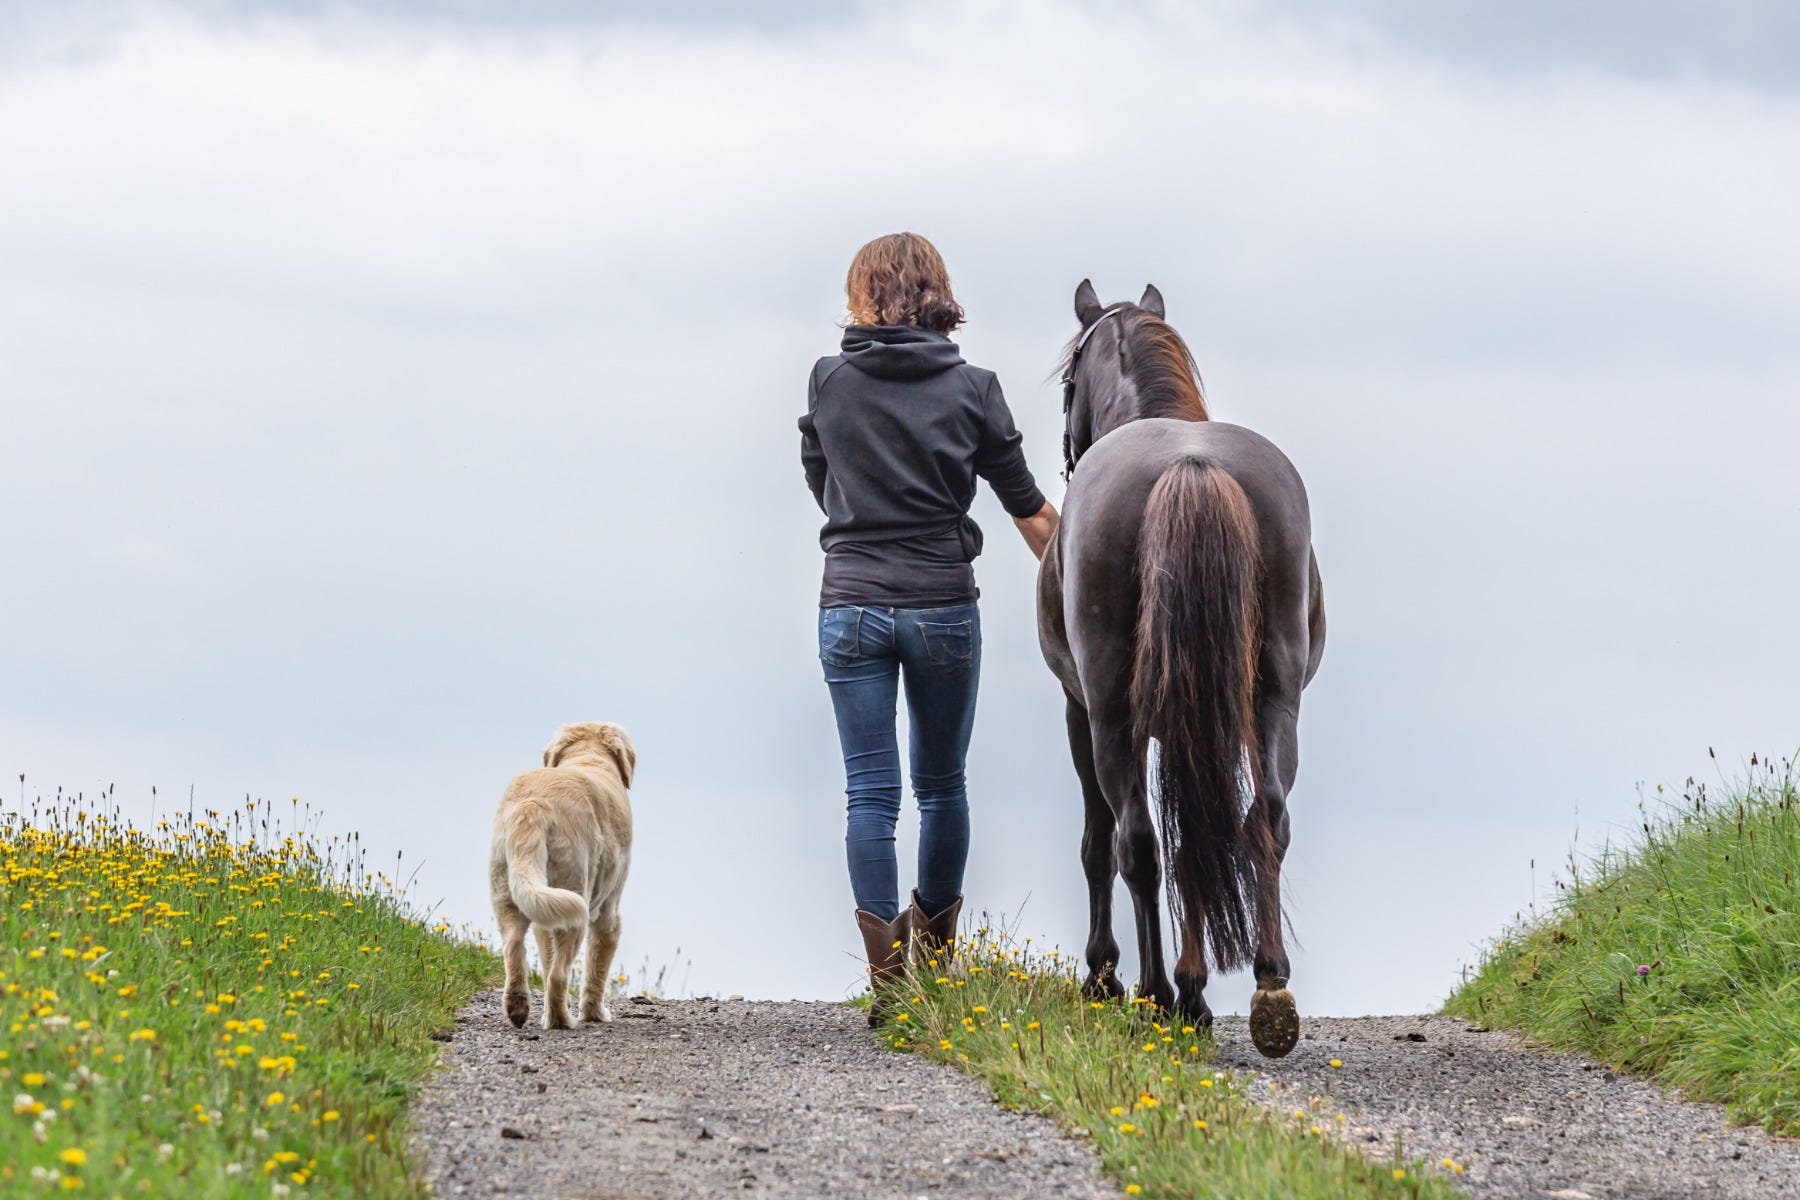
<point>900,280</point>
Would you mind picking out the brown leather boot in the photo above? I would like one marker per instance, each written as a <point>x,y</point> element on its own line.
<point>932,936</point>
<point>885,944</point>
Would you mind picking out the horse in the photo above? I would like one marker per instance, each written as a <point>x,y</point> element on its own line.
<point>1180,607</point>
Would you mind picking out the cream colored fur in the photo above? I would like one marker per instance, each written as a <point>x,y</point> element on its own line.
<point>562,847</point>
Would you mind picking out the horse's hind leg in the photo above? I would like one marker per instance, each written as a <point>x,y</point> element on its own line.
<point>1274,1019</point>
<point>1121,774</point>
<point>1190,971</point>
<point>1096,860</point>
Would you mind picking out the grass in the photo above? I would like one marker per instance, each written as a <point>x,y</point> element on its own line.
<point>1163,1121</point>
<point>214,1007</point>
<point>1676,955</point>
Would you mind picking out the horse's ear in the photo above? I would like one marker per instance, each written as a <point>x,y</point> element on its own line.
<point>1152,302</point>
<point>1087,304</point>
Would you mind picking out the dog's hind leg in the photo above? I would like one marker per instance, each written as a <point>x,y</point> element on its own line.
<point>543,944</point>
<point>518,982</point>
<point>603,943</point>
<point>564,944</point>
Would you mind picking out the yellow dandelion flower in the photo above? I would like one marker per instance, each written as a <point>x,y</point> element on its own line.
<point>1337,1062</point>
<point>74,1156</point>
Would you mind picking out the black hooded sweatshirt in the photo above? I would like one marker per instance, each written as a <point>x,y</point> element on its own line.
<point>897,427</point>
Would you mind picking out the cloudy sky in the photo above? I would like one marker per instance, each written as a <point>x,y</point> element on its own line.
<point>377,392</point>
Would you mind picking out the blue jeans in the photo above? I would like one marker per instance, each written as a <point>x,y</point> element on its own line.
<point>937,651</point>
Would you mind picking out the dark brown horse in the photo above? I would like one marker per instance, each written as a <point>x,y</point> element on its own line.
<point>1181,609</point>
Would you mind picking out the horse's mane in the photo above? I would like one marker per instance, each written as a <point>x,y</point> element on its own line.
<point>1159,362</point>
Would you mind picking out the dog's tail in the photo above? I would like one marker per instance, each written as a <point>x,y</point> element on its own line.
<point>528,858</point>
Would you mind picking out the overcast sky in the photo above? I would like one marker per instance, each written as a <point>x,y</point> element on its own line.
<point>377,393</point>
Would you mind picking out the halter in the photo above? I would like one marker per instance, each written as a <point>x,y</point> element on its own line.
<point>1068,383</point>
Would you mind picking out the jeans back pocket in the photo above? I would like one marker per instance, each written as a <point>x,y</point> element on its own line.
<point>840,635</point>
<point>948,643</point>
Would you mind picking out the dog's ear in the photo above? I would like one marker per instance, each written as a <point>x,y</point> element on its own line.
<point>559,745</point>
<point>623,752</point>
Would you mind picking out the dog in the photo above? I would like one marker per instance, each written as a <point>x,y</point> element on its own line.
<point>561,851</point>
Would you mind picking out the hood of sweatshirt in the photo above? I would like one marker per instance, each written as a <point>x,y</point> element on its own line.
<point>899,351</point>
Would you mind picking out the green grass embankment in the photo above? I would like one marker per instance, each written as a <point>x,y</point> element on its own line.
<point>211,1008</point>
<point>1676,954</point>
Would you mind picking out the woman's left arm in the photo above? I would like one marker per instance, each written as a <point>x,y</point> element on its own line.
<point>1001,461</point>
<point>1039,529</point>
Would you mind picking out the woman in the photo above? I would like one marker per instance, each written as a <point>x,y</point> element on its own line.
<point>897,428</point>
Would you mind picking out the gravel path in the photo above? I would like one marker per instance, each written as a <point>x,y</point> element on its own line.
<point>1524,1122</point>
<point>704,1098</point>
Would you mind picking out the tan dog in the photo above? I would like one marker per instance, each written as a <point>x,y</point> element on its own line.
<point>562,846</point>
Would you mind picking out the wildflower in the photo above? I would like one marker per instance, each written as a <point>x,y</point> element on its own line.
<point>1643,970</point>
<point>1199,1124</point>
<point>1399,1173</point>
<point>1033,1025</point>
<point>1337,1062</point>
<point>74,1156</point>
<point>330,1114</point>
<point>943,1043</point>
<point>32,1079</point>
<point>143,1035</point>
<point>1132,1189</point>
<point>1117,1111</point>
<point>1128,1127</point>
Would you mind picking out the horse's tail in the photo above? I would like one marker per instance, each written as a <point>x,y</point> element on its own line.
<point>1192,689</point>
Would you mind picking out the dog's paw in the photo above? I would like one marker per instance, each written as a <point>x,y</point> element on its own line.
<point>518,1008</point>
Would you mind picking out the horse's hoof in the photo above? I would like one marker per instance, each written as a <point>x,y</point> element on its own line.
<point>1195,1010</point>
<point>1274,1022</point>
<point>1102,987</point>
<point>518,1008</point>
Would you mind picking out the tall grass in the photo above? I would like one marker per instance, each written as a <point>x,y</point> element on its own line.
<point>1163,1120</point>
<point>1677,954</point>
<point>221,1005</point>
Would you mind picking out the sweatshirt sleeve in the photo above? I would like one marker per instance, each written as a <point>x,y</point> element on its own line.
<point>812,454</point>
<point>1000,459</point>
